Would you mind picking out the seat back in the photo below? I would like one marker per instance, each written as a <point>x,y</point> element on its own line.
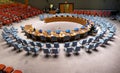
<point>67,44</point>
<point>48,45</point>
<point>77,48</point>
<point>56,45</point>
<point>42,38</point>
<point>69,49</point>
<point>53,39</point>
<point>46,51</point>
<point>77,36</point>
<point>74,43</point>
<point>66,38</point>
<point>55,51</point>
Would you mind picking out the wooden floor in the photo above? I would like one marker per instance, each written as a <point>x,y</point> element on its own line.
<point>105,60</point>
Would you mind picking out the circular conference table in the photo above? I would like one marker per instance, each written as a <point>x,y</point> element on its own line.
<point>62,36</point>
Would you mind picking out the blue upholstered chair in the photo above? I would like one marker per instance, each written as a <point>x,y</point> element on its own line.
<point>83,42</point>
<point>83,27</point>
<point>35,50</point>
<point>56,45</point>
<point>58,31</point>
<point>33,43</point>
<point>27,49</point>
<point>56,49</point>
<point>76,49</point>
<point>41,17</point>
<point>89,47</point>
<point>74,44</point>
<point>66,38</point>
<point>25,42</point>
<point>48,31</point>
<point>110,35</point>
<point>67,31</point>
<point>46,51</point>
<point>103,41</point>
<point>53,39</point>
<point>19,47</point>
<point>39,45</point>
<point>76,29</point>
<point>67,44</point>
<point>40,30</point>
<point>43,38</point>
<point>77,36</point>
<point>22,28</point>
<point>95,39</point>
<point>89,40</point>
<point>48,45</point>
<point>95,45</point>
<point>68,50</point>
<point>33,36</point>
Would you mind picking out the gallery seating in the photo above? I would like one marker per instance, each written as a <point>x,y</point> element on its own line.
<point>101,13</point>
<point>15,12</point>
<point>8,69</point>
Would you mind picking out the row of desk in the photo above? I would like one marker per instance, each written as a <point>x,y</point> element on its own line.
<point>67,18</point>
<point>36,35</point>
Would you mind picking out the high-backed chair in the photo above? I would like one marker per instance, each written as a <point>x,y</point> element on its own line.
<point>76,29</point>
<point>77,37</point>
<point>40,30</point>
<point>17,71</point>
<point>66,38</point>
<point>8,70</point>
<point>43,38</point>
<point>83,42</point>
<point>88,47</point>
<point>27,49</point>
<point>33,37</point>
<point>67,31</point>
<point>77,49</point>
<point>25,42</point>
<point>46,51</point>
<point>68,50</point>
<point>48,45</point>
<point>35,50</point>
<point>67,44</point>
<point>33,43</point>
<point>53,39</point>
<point>39,45</point>
<point>2,67</point>
<point>89,40</point>
<point>19,47</point>
<point>56,49</point>
<point>74,44</point>
<point>48,31</point>
<point>95,45</point>
<point>58,31</point>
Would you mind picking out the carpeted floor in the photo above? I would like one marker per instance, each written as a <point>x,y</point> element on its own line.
<point>105,60</point>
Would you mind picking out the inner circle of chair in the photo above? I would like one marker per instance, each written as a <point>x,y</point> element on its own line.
<point>58,35</point>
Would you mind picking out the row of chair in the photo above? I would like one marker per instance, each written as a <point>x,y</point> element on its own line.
<point>15,12</point>
<point>106,34</point>
<point>19,44</point>
<point>94,12</point>
<point>115,17</point>
<point>9,69</point>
